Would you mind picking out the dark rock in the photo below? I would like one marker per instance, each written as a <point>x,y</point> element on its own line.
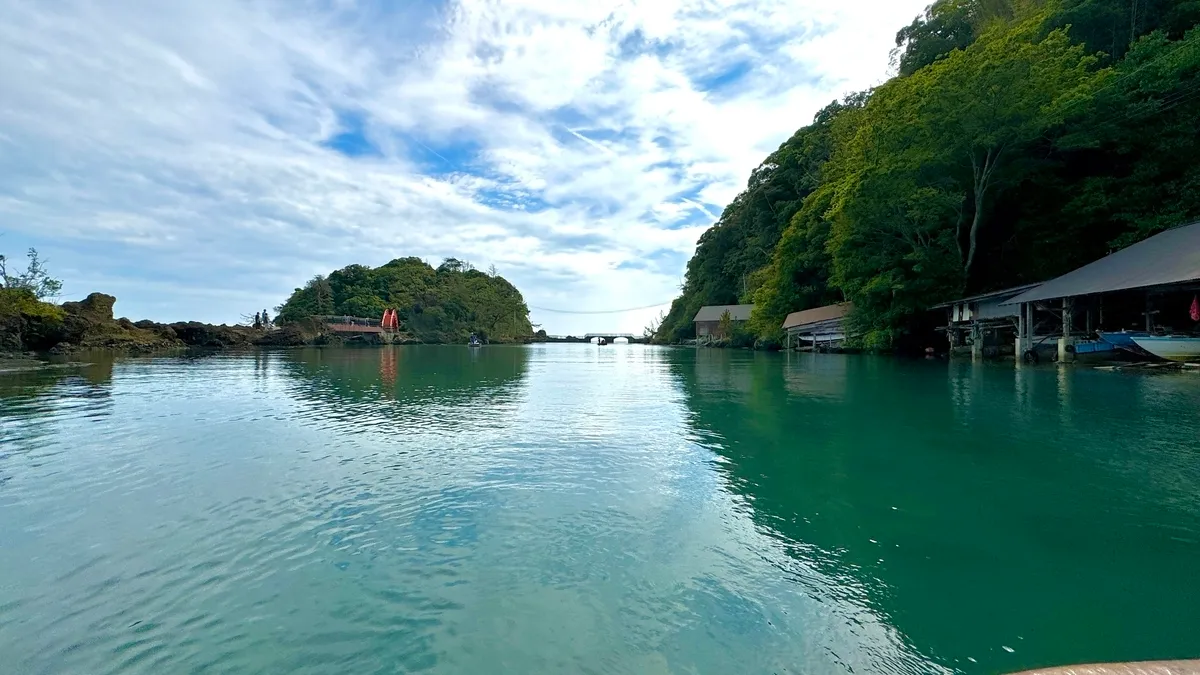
<point>12,330</point>
<point>196,334</point>
<point>96,307</point>
<point>288,336</point>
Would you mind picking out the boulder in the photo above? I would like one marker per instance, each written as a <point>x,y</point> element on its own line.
<point>195,334</point>
<point>95,307</point>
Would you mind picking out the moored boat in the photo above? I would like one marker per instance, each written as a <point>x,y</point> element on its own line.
<point>1171,347</point>
<point>1122,338</point>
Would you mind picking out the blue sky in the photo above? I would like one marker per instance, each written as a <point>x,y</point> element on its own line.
<point>200,159</point>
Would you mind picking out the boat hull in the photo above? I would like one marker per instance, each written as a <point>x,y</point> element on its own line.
<point>1185,349</point>
<point>1122,338</point>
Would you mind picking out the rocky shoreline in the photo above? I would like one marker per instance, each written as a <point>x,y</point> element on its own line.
<point>89,325</point>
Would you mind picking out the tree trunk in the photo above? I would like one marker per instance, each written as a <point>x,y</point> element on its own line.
<point>976,222</point>
<point>983,181</point>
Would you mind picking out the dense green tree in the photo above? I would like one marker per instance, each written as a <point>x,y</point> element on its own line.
<point>446,304</point>
<point>732,258</point>
<point>1020,139</point>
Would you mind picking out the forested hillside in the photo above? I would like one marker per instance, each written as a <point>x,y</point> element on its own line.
<point>446,304</point>
<point>1018,140</point>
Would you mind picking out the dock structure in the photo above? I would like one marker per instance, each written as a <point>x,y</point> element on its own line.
<point>983,324</point>
<point>818,328</point>
<point>1149,287</point>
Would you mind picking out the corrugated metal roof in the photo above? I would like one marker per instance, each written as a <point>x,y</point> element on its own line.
<point>817,315</point>
<point>714,312</point>
<point>988,296</point>
<point>1170,257</point>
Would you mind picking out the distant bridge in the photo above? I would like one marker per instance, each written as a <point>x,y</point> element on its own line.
<point>608,337</point>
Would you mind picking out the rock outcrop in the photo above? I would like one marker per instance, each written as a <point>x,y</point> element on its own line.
<point>89,324</point>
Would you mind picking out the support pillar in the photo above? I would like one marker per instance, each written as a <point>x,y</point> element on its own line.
<point>1066,343</point>
<point>1024,332</point>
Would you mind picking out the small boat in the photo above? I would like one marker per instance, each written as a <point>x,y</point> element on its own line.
<point>1171,347</point>
<point>474,342</point>
<point>1122,338</point>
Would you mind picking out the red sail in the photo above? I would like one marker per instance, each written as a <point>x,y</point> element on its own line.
<point>1196,308</point>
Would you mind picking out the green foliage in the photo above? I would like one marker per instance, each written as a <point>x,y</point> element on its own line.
<point>446,304</point>
<point>17,301</point>
<point>34,279</point>
<point>731,258</point>
<point>1020,139</point>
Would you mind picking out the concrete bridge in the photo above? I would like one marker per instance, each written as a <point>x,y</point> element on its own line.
<point>608,337</point>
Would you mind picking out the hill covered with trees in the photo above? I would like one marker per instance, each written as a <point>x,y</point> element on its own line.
<point>442,305</point>
<point>1018,140</point>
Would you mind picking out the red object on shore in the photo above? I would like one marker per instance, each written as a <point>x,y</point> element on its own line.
<point>391,320</point>
<point>1196,308</point>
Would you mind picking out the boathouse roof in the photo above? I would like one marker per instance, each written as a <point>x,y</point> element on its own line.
<point>992,295</point>
<point>817,315</point>
<point>1166,259</point>
<point>714,312</point>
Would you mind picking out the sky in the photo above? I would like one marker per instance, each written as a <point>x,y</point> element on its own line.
<point>200,160</point>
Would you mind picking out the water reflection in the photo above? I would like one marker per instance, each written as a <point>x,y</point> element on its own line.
<point>433,388</point>
<point>32,401</point>
<point>996,519</point>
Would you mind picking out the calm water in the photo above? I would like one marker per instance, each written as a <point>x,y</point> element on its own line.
<point>570,509</point>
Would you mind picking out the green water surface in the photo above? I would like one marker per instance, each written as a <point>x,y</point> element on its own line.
<point>576,509</point>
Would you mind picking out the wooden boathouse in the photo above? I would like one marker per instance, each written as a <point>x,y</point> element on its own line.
<point>983,325</point>
<point>817,328</point>
<point>709,318</point>
<point>1150,286</point>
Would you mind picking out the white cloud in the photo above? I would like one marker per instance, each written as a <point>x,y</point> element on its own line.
<point>178,154</point>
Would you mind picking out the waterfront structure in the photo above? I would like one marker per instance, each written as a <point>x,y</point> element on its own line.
<point>709,317</point>
<point>1150,286</point>
<point>820,327</point>
<point>983,323</point>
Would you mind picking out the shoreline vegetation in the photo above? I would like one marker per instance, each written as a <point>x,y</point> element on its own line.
<point>445,305</point>
<point>1018,140</point>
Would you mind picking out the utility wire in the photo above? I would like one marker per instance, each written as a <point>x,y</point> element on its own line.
<point>607,311</point>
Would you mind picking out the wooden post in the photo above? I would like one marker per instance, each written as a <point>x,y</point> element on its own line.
<point>1149,320</point>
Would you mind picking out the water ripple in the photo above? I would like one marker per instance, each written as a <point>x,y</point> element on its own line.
<point>542,509</point>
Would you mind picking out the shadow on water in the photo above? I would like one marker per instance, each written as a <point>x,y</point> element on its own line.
<point>999,518</point>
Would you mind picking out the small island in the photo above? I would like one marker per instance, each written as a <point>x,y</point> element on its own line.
<point>443,305</point>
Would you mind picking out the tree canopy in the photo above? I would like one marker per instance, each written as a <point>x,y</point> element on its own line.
<point>1018,140</point>
<point>445,304</point>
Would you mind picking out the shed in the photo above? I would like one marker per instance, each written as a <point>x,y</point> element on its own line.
<point>709,317</point>
<point>991,305</point>
<point>820,325</point>
<point>983,321</point>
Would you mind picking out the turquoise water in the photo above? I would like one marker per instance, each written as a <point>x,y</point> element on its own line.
<point>574,509</point>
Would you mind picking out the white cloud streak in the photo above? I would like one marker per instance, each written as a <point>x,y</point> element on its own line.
<point>152,149</point>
